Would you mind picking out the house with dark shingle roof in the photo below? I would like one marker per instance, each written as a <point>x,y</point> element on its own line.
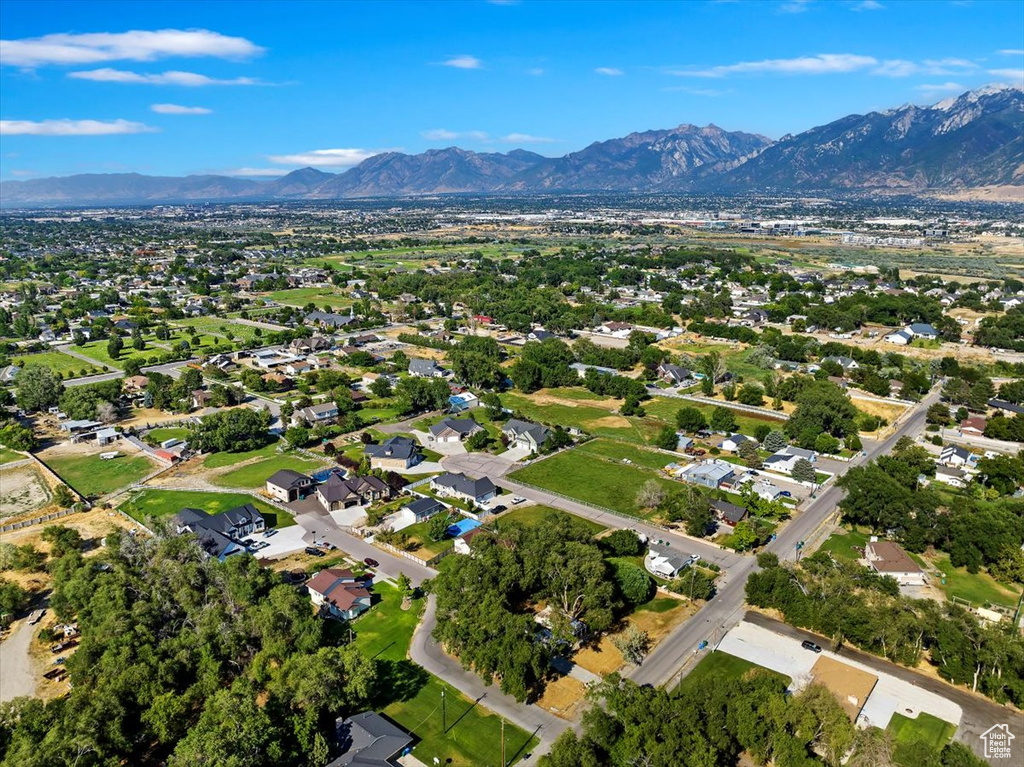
<point>337,493</point>
<point>394,453</point>
<point>454,430</point>
<point>524,434</point>
<point>451,485</point>
<point>220,535</point>
<point>369,740</point>
<point>288,485</point>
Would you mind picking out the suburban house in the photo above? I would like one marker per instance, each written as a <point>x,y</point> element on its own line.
<point>369,379</point>
<point>762,487</point>
<point>952,476</point>
<point>975,425</point>
<point>425,368</point>
<point>846,363</point>
<point>310,345</point>
<point>728,513</point>
<point>394,453</point>
<point>524,434</point>
<point>683,442</point>
<point>731,444</point>
<point>220,535</point>
<point>462,543</point>
<point>288,485</point>
<point>887,558</point>
<point>784,460</point>
<point>451,485</point>
<point>954,455</point>
<point>339,593</point>
<point>454,430</point>
<point>325,411</point>
<point>458,403</point>
<point>417,511</point>
<point>337,493</point>
<point>665,565</point>
<point>710,474</point>
<point>674,374</point>
<point>369,740</point>
<point>900,337</point>
<point>916,330</point>
<point>329,319</point>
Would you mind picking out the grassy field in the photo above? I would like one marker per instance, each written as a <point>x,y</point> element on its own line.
<point>319,296</point>
<point>92,476</point>
<point>665,409</point>
<point>604,483</point>
<point>158,504</point>
<point>539,515</point>
<point>64,365</point>
<point>255,475</point>
<point>156,436</point>
<point>9,456</point>
<point>419,533</point>
<point>470,734</point>
<point>556,408</point>
<point>619,451</point>
<point>717,666</point>
<point>97,350</point>
<point>841,545</point>
<point>978,588</point>
<point>911,734</point>
<point>214,325</point>
<point>218,460</point>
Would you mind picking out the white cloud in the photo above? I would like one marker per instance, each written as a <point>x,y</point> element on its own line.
<point>334,158</point>
<point>135,45</point>
<point>1016,75</point>
<point>526,138</point>
<point>71,127</point>
<point>178,109</point>
<point>903,68</point>
<point>941,88</point>
<point>1011,52</point>
<point>443,134</point>
<point>256,172</point>
<point>609,71</point>
<point>868,5</point>
<point>795,6</point>
<point>821,64</point>
<point>184,79</point>
<point>464,61</point>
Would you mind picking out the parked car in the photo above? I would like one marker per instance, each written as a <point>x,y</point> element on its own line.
<point>314,552</point>
<point>498,509</point>
<point>807,644</point>
<point>371,562</point>
<point>270,533</point>
<point>785,494</point>
<point>517,499</point>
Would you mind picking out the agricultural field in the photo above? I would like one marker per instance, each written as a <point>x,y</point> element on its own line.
<point>157,504</point>
<point>92,476</point>
<point>469,735</point>
<point>62,364</point>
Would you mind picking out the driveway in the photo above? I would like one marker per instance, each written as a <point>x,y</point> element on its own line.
<point>479,464</point>
<point>17,676</point>
<point>890,695</point>
<point>287,540</point>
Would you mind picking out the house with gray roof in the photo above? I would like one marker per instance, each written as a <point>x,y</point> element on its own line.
<point>337,493</point>
<point>288,485</point>
<point>220,535</point>
<point>369,740</point>
<point>454,430</point>
<point>425,368</point>
<point>395,454</point>
<point>451,485</point>
<point>525,434</point>
<point>710,474</point>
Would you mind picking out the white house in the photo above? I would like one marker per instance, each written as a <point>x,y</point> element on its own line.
<point>338,593</point>
<point>731,444</point>
<point>665,564</point>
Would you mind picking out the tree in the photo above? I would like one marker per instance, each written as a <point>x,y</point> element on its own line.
<point>748,452</point>
<point>822,407</point>
<point>297,436</point>
<point>478,441</point>
<point>775,441</point>
<point>938,413</point>
<point>39,388</point>
<point>232,431</point>
<point>803,470</point>
<point>666,439</point>
<point>437,526</point>
<point>650,495</point>
<point>633,644</point>
<point>826,443</point>
<point>63,497</point>
<point>403,583</point>
<point>751,394</point>
<point>723,419</point>
<point>381,387</point>
<point>63,540</point>
<point>623,543</point>
<point>633,583</point>
<point>690,419</point>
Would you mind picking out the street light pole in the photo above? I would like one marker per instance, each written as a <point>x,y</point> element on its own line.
<point>444,727</point>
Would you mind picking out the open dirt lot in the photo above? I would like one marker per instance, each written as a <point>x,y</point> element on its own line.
<point>563,697</point>
<point>23,490</point>
<point>93,526</point>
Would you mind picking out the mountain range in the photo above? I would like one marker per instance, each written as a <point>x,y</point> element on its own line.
<point>962,143</point>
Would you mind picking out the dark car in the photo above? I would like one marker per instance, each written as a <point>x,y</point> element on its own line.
<point>370,562</point>
<point>498,509</point>
<point>807,644</point>
<point>314,552</point>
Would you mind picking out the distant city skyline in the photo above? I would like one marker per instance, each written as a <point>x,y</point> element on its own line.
<point>260,89</point>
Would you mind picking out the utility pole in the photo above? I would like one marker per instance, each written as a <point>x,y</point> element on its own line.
<point>444,727</point>
<point>503,742</point>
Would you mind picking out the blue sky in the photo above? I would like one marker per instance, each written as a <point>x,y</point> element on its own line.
<point>263,88</point>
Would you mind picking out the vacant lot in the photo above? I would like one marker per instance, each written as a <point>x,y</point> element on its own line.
<point>254,475</point>
<point>577,408</point>
<point>718,666</point>
<point>540,515</point>
<point>610,450</point>
<point>91,476</point>
<point>216,326</point>
<point>219,460</point>
<point>63,364</point>
<point>320,296</point>
<point>22,490</point>
<point>977,588</point>
<point>587,478</point>
<point>159,504</point>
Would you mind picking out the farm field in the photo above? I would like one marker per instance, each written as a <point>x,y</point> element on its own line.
<point>153,503</point>
<point>603,483</point>
<point>471,735</point>
<point>64,365</point>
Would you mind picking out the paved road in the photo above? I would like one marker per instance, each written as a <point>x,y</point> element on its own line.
<point>427,653</point>
<point>673,656</point>
<point>979,713</point>
<point>17,677</point>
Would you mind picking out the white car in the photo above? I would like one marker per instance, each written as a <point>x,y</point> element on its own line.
<point>517,499</point>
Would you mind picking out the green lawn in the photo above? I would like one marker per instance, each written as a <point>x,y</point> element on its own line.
<point>538,515</point>
<point>580,475</point>
<point>978,588</point>
<point>717,666</point>
<point>156,436</point>
<point>419,533</point>
<point>218,460</point>
<point>92,476</point>
<point>842,542</point>
<point>919,741</point>
<point>470,735</point>
<point>617,451</point>
<point>157,504</point>
<point>9,456</point>
<point>319,296</point>
<point>599,421</point>
<point>64,365</point>
<point>255,475</point>
<point>215,326</point>
<point>665,409</point>
<point>97,350</point>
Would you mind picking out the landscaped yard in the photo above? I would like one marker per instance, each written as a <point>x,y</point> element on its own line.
<point>154,503</point>
<point>419,533</point>
<point>91,476</point>
<point>97,350</point>
<point>470,734</point>
<point>927,729</point>
<point>539,515</point>
<point>977,588</point>
<point>580,475</point>
<point>64,365</point>
<point>255,475</point>
<point>717,666</point>
<point>842,545</point>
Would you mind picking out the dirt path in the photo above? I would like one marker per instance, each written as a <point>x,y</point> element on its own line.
<point>17,676</point>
